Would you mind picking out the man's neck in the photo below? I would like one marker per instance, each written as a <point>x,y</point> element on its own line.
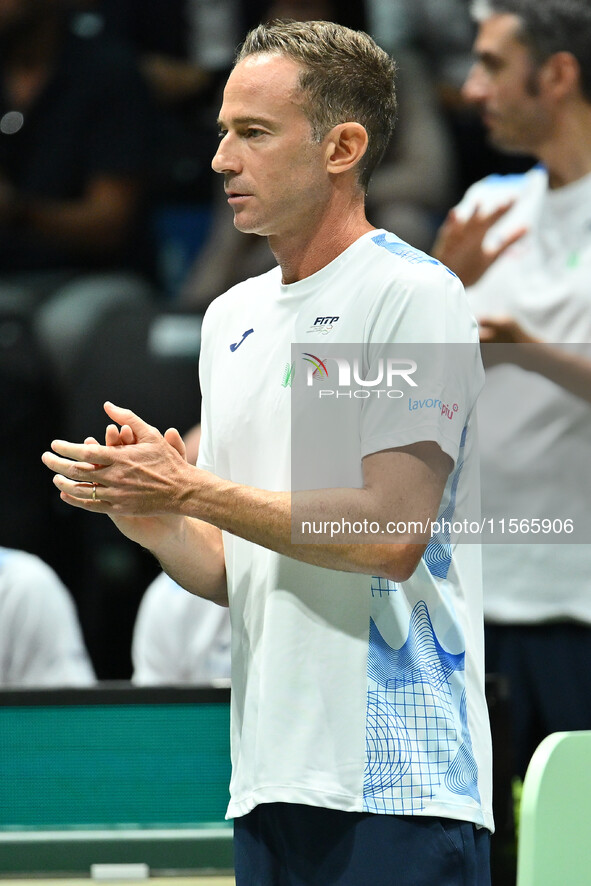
<point>567,156</point>
<point>303,253</point>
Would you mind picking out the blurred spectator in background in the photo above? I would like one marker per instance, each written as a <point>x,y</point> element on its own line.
<point>76,153</point>
<point>180,638</point>
<point>184,49</point>
<point>40,639</point>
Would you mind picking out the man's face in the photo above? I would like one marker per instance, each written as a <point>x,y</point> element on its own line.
<point>274,173</point>
<point>505,85</point>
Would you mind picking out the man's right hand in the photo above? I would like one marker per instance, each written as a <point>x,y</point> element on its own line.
<point>146,531</point>
<point>460,243</point>
<point>142,480</point>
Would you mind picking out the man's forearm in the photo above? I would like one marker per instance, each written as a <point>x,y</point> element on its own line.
<point>267,519</point>
<point>177,510</point>
<point>194,557</point>
<point>569,370</point>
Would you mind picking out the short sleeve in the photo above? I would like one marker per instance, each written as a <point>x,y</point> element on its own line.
<point>430,362</point>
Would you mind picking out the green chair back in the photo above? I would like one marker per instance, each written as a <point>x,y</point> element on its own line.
<point>554,846</point>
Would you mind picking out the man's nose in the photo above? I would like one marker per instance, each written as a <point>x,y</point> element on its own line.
<point>225,158</point>
<point>475,88</point>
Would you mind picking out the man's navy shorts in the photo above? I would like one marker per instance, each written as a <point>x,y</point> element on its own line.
<point>284,844</point>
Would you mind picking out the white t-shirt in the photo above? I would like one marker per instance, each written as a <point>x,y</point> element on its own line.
<point>535,437</point>
<point>179,638</point>
<point>349,692</point>
<point>40,639</point>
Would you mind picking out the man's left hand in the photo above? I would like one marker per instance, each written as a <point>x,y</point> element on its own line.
<point>139,472</point>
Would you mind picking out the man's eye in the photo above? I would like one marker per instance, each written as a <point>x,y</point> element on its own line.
<point>253,133</point>
<point>222,133</point>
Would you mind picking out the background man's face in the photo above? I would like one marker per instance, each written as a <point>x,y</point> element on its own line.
<point>505,85</point>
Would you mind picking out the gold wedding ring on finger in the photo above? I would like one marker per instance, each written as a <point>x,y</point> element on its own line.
<point>94,495</point>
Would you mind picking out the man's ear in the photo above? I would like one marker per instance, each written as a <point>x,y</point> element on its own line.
<point>561,74</point>
<point>345,146</point>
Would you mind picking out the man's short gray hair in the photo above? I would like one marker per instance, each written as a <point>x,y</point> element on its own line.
<point>345,77</point>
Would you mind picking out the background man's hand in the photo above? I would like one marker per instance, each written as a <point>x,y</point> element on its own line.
<point>459,243</point>
<point>500,338</point>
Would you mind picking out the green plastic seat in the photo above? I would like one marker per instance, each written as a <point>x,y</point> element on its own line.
<point>554,846</point>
